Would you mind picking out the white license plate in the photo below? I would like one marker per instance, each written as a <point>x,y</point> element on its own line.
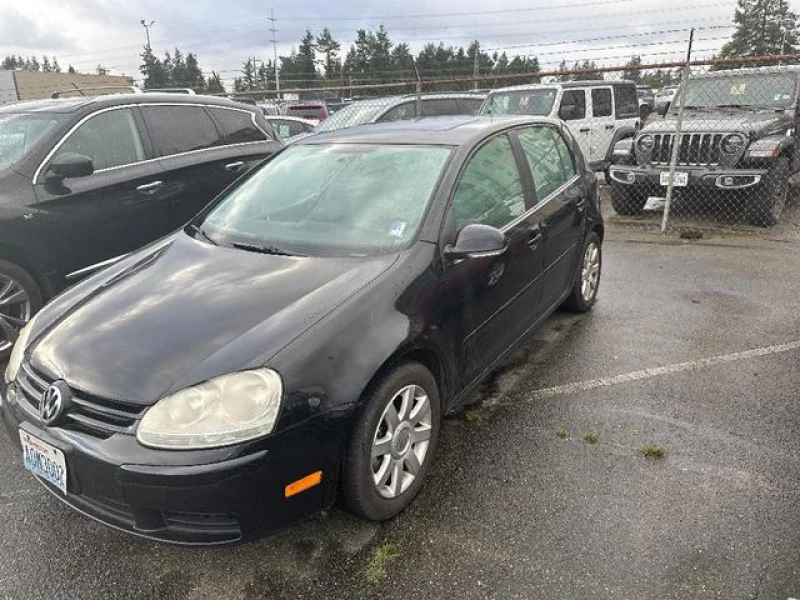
<point>44,460</point>
<point>681,179</point>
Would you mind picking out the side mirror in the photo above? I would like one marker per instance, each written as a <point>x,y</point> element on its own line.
<point>70,165</point>
<point>477,241</point>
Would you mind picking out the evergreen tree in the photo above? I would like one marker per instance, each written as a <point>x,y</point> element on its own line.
<point>305,60</point>
<point>194,75</point>
<point>633,70</point>
<point>155,76</point>
<point>71,70</point>
<point>55,66</point>
<point>214,84</point>
<point>760,29</point>
<point>45,64</point>
<point>329,48</point>
<point>10,62</point>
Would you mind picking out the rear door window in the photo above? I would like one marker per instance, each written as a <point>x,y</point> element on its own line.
<point>177,129</point>
<point>439,107</point>
<point>238,126</point>
<point>406,110</point>
<point>110,139</point>
<point>601,102</point>
<point>469,106</point>
<point>573,105</point>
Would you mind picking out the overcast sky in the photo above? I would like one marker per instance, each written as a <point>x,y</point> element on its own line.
<point>223,34</point>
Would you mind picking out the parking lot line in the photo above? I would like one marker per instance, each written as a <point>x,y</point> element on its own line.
<point>693,365</point>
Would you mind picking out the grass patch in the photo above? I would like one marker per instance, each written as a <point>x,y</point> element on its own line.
<point>473,416</point>
<point>652,451</point>
<point>591,437</point>
<point>383,555</point>
<point>562,433</point>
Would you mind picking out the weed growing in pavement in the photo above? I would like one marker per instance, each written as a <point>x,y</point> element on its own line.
<point>383,555</point>
<point>562,433</point>
<point>473,416</point>
<point>591,437</point>
<point>652,451</point>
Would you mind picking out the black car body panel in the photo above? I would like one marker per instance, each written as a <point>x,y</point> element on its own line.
<point>183,310</point>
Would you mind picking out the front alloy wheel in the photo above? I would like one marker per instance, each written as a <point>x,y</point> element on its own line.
<point>392,444</point>
<point>590,272</point>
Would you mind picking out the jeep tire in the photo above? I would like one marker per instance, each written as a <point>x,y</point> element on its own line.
<point>768,199</point>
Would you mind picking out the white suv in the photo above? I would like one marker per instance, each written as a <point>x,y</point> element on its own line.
<point>598,113</point>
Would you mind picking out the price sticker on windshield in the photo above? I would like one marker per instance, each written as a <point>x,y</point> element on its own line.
<point>738,89</point>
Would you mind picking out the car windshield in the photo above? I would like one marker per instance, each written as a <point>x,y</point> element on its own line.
<point>19,132</point>
<point>352,115</point>
<point>521,102</point>
<point>330,200</point>
<point>775,91</point>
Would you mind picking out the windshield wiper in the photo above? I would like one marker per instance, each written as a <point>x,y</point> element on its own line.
<point>202,233</point>
<point>265,249</point>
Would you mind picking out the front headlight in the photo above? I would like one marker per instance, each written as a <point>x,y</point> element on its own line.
<point>732,144</point>
<point>18,352</point>
<point>645,143</point>
<point>220,412</point>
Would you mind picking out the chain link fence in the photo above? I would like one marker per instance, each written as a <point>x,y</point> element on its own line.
<point>707,145</point>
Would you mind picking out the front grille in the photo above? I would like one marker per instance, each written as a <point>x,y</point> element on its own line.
<point>93,415</point>
<point>696,149</point>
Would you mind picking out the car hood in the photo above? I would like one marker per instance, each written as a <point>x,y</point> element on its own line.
<point>186,311</point>
<point>724,120</point>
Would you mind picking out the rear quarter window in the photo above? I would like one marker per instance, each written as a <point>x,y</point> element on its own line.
<point>238,126</point>
<point>627,101</point>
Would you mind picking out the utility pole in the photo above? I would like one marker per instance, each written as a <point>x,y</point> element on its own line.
<point>147,27</point>
<point>274,41</point>
<point>476,66</point>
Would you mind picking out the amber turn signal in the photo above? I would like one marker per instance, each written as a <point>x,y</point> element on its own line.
<point>301,485</point>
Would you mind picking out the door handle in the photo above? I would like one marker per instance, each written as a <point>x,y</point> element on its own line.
<point>234,166</point>
<point>150,188</point>
<point>585,130</point>
<point>609,126</point>
<point>535,237</point>
<point>581,204</point>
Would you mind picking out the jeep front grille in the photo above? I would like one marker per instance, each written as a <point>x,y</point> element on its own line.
<point>696,149</point>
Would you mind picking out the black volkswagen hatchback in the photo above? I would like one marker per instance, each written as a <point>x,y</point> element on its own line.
<point>303,336</point>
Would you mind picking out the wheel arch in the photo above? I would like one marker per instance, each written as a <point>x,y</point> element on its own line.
<point>17,255</point>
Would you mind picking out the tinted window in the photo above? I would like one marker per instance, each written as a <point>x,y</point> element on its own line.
<point>20,132</point>
<point>490,190</point>
<point>548,158</point>
<point>573,105</point>
<point>110,139</point>
<point>439,108</point>
<point>287,128</point>
<point>407,110</point>
<point>177,129</point>
<point>307,111</point>
<point>627,101</point>
<point>601,102</point>
<point>238,126</point>
<point>469,106</point>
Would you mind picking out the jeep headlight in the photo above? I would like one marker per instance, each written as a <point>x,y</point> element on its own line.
<point>220,412</point>
<point>732,144</point>
<point>645,143</point>
<point>18,352</point>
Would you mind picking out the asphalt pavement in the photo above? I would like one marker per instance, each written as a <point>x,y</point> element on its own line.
<point>693,348</point>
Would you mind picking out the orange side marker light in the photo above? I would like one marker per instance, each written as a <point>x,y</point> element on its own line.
<point>301,485</point>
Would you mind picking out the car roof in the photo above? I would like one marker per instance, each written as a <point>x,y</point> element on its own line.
<point>68,105</point>
<point>793,69</point>
<point>288,118</point>
<point>457,130</point>
<point>564,84</point>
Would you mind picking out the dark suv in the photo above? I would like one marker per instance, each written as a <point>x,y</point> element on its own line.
<point>84,181</point>
<point>738,139</point>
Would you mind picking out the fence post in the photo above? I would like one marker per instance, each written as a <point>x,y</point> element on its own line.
<point>676,139</point>
<point>419,88</point>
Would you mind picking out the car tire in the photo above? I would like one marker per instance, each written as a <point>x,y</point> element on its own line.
<point>583,295</point>
<point>381,486</point>
<point>20,299</point>
<point>626,199</point>
<point>768,199</point>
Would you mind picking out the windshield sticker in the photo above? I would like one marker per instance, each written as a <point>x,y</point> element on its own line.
<point>397,228</point>
<point>523,101</point>
<point>738,89</point>
<point>779,97</point>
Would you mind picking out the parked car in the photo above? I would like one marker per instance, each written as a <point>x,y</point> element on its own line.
<point>305,334</point>
<point>599,113</point>
<point>738,141</point>
<point>663,99</point>
<point>288,127</point>
<point>646,101</point>
<point>271,109</point>
<point>84,181</point>
<point>398,108</point>
<point>313,110</point>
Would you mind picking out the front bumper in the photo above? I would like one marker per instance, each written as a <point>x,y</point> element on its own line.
<point>698,178</point>
<point>230,495</point>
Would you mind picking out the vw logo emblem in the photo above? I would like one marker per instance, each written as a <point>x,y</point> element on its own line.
<point>54,402</point>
